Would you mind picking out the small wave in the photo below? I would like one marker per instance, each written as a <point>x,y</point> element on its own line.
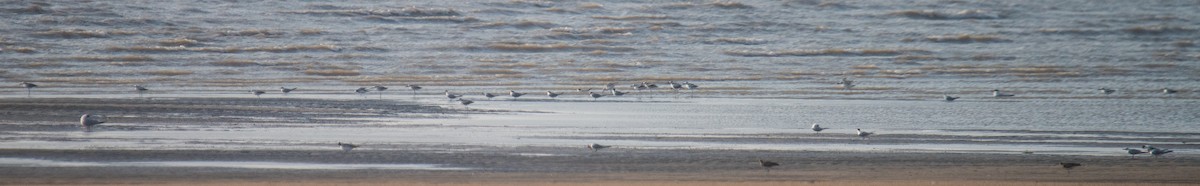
<point>633,17</point>
<point>1158,30</point>
<point>80,33</point>
<point>743,41</point>
<point>823,52</point>
<point>517,24</point>
<point>1071,31</point>
<point>168,72</point>
<point>730,5</point>
<point>250,32</point>
<point>555,47</point>
<point>937,15</point>
<point>454,19</point>
<point>965,38</point>
<point>403,12</point>
<point>273,49</point>
<point>334,72</point>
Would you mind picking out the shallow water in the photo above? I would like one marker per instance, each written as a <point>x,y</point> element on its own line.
<point>26,162</point>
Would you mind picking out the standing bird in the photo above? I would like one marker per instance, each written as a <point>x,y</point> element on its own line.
<point>638,87</point>
<point>452,96</point>
<point>551,94</point>
<point>649,85</point>
<point>1165,90</point>
<point>675,86</point>
<point>515,94</point>
<point>1069,166</point>
<point>1160,152</point>
<point>817,128</point>
<point>380,89</point>
<point>690,86</point>
<point>863,134</point>
<point>346,147</point>
<point>767,164</point>
<point>87,121</point>
<point>610,86</point>
<point>258,93</point>
<point>996,93</point>
<point>489,95</point>
<point>595,147</point>
<point>948,98</point>
<point>846,84</point>
<point>465,102</point>
<point>28,88</point>
<point>583,90</point>
<point>1106,90</point>
<point>361,90</point>
<point>414,88</point>
<point>287,90</point>
<point>140,89</point>
<point>595,96</point>
<point>617,93</point>
<point>1134,152</point>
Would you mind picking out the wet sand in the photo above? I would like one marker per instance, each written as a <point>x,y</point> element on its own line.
<point>487,164</point>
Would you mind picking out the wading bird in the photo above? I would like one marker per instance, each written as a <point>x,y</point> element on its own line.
<point>452,96</point>
<point>817,128</point>
<point>1134,152</point>
<point>28,88</point>
<point>846,84</point>
<point>346,147</point>
<point>996,93</point>
<point>380,89</point>
<point>489,95</point>
<point>1164,90</point>
<point>595,95</point>
<point>465,102</point>
<point>616,93</point>
<point>595,147</point>
<point>690,86</point>
<point>515,94</point>
<point>1106,90</point>
<point>551,94</point>
<point>864,134</point>
<point>258,93</point>
<point>949,98</point>
<point>287,90</point>
<point>583,90</point>
<point>1160,152</point>
<point>767,164</point>
<point>361,90</point>
<point>414,88</point>
<point>87,121</point>
<point>1069,166</point>
<point>140,89</point>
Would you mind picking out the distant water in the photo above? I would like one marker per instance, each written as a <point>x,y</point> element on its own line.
<point>794,48</point>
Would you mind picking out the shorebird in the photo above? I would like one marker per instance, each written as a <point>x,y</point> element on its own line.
<point>1134,152</point>
<point>864,135</point>
<point>846,84</point>
<point>1160,152</point>
<point>1106,90</point>
<point>140,89</point>
<point>583,90</point>
<point>690,86</point>
<point>817,128</point>
<point>28,88</point>
<point>595,96</point>
<point>996,93</point>
<point>452,96</point>
<point>287,90</point>
<point>948,98</point>
<point>649,85</point>
<point>1165,90</point>
<point>87,121</point>
<point>675,86</point>
<point>610,86</point>
<point>1069,166</point>
<point>1148,147</point>
<point>346,147</point>
<point>596,147</point>
<point>616,93</point>
<point>361,90</point>
<point>639,87</point>
<point>489,95</point>
<point>515,94</point>
<point>551,94</point>
<point>258,93</point>
<point>380,89</point>
<point>767,164</point>
<point>465,102</point>
<point>414,88</point>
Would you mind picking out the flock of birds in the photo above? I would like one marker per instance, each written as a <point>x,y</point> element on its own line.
<point>87,121</point>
